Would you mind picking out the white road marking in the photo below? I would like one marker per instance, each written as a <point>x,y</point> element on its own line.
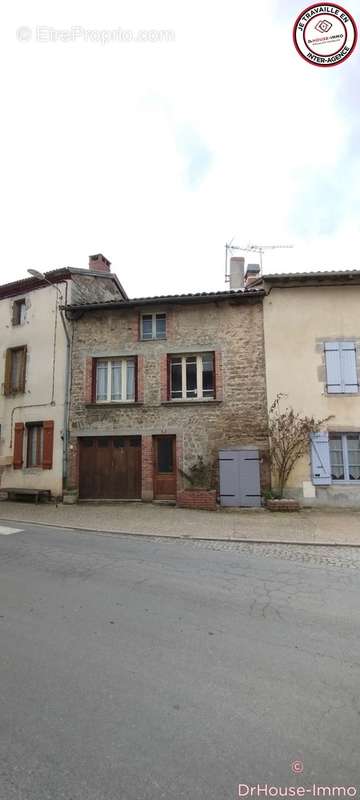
<point>6,531</point>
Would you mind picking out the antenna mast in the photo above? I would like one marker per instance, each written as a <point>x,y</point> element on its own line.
<point>251,248</point>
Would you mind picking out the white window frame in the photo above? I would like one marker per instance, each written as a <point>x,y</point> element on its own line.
<point>124,363</point>
<point>153,316</point>
<point>199,377</point>
<point>345,455</point>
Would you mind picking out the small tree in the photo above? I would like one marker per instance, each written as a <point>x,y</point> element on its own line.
<point>199,475</point>
<point>289,434</point>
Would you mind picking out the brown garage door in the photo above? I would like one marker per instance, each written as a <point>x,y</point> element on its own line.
<point>110,468</point>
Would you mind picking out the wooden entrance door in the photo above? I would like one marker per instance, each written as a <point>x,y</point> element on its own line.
<point>165,467</point>
<point>110,468</point>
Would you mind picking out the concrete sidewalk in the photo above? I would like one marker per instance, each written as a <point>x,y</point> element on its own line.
<point>304,527</point>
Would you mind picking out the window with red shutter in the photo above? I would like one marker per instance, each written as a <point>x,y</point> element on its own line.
<point>18,445</point>
<point>89,379</point>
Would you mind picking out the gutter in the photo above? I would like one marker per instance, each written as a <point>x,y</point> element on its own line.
<point>169,300</point>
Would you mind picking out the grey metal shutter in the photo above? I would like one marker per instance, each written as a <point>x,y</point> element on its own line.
<point>229,473</point>
<point>333,367</point>
<point>320,459</point>
<point>239,477</point>
<point>250,478</point>
<point>348,367</point>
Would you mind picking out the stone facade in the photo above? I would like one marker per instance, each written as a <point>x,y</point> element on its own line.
<point>231,328</point>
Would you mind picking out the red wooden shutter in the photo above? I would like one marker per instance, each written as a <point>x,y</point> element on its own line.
<point>139,379</point>
<point>136,378</point>
<point>48,445</point>
<point>18,445</point>
<point>218,378</point>
<point>93,380</point>
<point>168,377</point>
<point>90,380</point>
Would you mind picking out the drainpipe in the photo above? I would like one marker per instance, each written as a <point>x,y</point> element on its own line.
<point>66,401</point>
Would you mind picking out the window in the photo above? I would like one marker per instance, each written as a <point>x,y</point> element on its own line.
<point>192,377</point>
<point>39,444</point>
<point>35,444</point>
<point>15,367</point>
<point>345,456</point>
<point>165,454</point>
<point>115,380</point>
<point>341,371</point>
<point>153,326</point>
<point>19,312</point>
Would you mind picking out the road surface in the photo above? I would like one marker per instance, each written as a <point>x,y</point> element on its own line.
<point>135,668</point>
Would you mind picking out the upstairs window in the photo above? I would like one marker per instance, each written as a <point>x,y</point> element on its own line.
<point>115,380</point>
<point>192,377</point>
<point>153,326</point>
<point>19,312</point>
<point>15,369</point>
<point>341,369</point>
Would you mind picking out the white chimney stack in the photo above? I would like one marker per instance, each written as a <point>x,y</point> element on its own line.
<point>237,269</point>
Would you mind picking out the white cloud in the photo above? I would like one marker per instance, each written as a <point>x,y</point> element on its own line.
<point>156,154</point>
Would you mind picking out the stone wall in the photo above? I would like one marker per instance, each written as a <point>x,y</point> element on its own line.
<point>237,416</point>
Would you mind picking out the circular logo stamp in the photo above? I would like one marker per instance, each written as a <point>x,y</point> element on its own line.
<point>325,35</point>
<point>297,766</point>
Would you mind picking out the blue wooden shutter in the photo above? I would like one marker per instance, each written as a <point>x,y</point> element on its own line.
<point>320,458</point>
<point>348,367</point>
<point>333,367</point>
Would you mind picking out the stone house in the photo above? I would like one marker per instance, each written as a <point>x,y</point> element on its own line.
<point>35,371</point>
<point>157,382</point>
<point>312,349</point>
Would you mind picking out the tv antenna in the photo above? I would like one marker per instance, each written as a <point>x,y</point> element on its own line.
<point>260,249</point>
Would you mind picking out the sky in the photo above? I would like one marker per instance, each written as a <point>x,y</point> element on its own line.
<point>157,153</point>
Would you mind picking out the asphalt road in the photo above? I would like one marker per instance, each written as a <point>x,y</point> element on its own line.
<point>134,669</point>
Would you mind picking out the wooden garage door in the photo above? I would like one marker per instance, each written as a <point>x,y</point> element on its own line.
<point>110,468</point>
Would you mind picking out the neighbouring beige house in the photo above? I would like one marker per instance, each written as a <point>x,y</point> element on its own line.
<point>35,374</point>
<point>312,354</point>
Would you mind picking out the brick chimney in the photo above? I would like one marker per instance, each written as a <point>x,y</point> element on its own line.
<point>99,263</point>
<point>252,273</point>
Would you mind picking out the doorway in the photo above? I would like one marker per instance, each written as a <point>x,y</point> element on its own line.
<point>164,467</point>
<point>110,468</point>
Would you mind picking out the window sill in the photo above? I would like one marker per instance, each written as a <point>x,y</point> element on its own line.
<point>344,483</point>
<point>127,403</point>
<point>342,394</point>
<point>191,402</point>
<point>159,339</point>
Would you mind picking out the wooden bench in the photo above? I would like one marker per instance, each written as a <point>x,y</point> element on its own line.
<point>36,493</point>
